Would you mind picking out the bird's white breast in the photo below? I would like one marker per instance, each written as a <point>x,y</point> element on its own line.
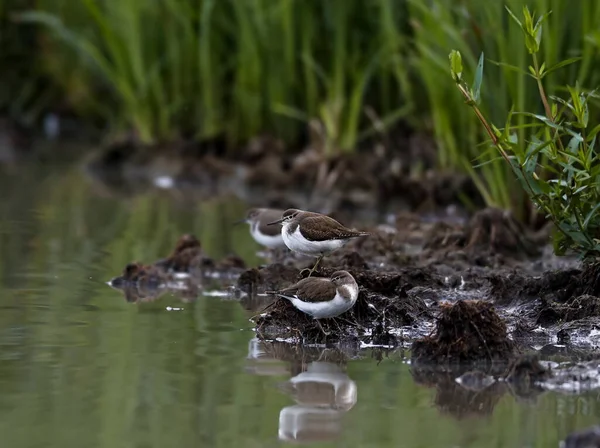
<point>296,242</point>
<point>272,242</point>
<point>323,310</point>
<point>351,291</point>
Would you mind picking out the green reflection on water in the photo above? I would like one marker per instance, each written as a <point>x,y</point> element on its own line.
<point>80,367</point>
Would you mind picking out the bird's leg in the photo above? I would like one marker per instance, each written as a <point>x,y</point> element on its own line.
<point>310,271</point>
<point>350,322</point>
<point>326,333</point>
<point>338,325</point>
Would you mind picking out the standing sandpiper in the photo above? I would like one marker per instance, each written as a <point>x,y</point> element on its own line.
<point>320,297</point>
<point>313,234</point>
<point>265,235</point>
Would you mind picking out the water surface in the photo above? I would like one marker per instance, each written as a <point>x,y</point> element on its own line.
<point>81,367</point>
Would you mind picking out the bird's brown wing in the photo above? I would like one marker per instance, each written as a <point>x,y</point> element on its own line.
<point>323,227</point>
<point>270,215</point>
<point>312,289</point>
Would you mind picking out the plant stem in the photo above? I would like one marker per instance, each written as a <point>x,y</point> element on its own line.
<point>541,89</point>
<point>483,121</point>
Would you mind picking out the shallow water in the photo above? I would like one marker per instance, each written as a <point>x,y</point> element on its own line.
<point>81,367</point>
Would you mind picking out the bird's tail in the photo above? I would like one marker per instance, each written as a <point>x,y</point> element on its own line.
<point>278,294</point>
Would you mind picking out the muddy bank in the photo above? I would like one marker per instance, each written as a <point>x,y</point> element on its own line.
<point>485,290</point>
<point>377,175</point>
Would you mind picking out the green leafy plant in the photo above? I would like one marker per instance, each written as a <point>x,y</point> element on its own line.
<point>553,154</point>
<point>472,27</point>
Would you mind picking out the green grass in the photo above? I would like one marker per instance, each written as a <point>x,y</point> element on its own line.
<point>235,69</point>
<point>338,71</point>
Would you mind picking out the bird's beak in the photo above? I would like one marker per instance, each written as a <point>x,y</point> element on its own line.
<point>275,222</point>
<point>241,221</point>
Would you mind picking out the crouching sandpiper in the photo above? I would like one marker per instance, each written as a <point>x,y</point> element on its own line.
<point>322,298</point>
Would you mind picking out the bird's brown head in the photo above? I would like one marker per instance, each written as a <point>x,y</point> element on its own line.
<point>340,278</point>
<point>287,216</point>
<point>253,214</point>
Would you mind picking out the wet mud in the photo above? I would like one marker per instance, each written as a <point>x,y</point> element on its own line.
<point>377,174</point>
<point>486,290</point>
<point>454,293</point>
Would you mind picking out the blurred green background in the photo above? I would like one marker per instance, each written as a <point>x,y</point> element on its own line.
<point>342,72</point>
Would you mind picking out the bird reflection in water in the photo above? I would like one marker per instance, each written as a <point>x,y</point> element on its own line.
<point>323,392</point>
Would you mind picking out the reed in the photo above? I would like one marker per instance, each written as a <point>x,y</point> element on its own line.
<point>234,69</point>
<point>333,73</point>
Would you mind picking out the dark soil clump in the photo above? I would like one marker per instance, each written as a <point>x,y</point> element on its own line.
<point>465,331</point>
<point>267,278</point>
<point>525,374</point>
<point>574,308</point>
<point>186,255</point>
<point>490,231</point>
<point>146,283</point>
<point>586,438</point>
<point>558,286</point>
<point>453,398</point>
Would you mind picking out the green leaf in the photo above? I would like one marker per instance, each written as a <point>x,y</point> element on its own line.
<point>488,162</point>
<point>562,64</point>
<point>456,67</point>
<point>514,17</point>
<point>542,18</point>
<point>528,20</point>
<point>593,132</point>
<point>536,146</point>
<point>543,119</point>
<point>290,112</point>
<point>513,68</point>
<point>561,101</point>
<point>573,145</point>
<point>476,88</point>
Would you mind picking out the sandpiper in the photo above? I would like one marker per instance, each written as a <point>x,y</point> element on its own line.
<point>321,297</point>
<point>265,235</point>
<point>313,234</point>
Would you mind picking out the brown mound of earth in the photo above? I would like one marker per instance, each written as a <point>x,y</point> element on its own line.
<point>464,332</point>
<point>146,283</point>
<point>490,231</point>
